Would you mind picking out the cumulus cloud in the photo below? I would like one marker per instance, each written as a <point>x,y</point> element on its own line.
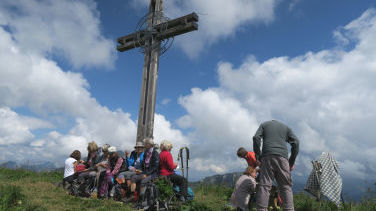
<point>164,130</point>
<point>16,129</point>
<point>166,101</point>
<point>219,19</point>
<point>30,79</point>
<point>326,97</point>
<point>61,28</point>
<point>221,126</point>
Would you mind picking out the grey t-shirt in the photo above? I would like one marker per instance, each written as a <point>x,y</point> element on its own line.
<point>274,135</point>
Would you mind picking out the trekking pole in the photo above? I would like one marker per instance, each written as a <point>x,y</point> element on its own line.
<point>180,157</point>
<point>187,152</point>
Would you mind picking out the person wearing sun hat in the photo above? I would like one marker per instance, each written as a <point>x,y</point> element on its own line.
<point>134,164</point>
<point>116,165</point>
<point>149,166</point>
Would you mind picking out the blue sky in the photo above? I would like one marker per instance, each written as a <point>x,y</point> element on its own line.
<point>309,64</point>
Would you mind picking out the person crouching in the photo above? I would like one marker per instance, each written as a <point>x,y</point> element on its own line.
<point>244,188</point>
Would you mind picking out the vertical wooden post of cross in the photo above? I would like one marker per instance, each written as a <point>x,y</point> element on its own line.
<point>150,38</point>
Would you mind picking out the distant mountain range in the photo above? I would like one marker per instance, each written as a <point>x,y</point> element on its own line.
<point>230,179</point>
<point>350,193</point>
<point>32,166</point>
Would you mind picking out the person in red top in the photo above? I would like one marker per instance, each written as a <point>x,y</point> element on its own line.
<point>167,166</point>
<point>250,157</point>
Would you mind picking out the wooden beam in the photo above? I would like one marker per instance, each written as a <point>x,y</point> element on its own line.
<point>193,17</point>
<point>130,45</point>
<point>177,30</point>
<point>131,37</point>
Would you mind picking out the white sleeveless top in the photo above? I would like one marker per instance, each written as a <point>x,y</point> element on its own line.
<point>69,167</point>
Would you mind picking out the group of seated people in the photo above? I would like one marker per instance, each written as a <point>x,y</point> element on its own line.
<point>104,165</point>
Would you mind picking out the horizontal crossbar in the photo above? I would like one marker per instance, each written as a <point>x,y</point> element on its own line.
<point>161,31</point>
<point>164,35</point>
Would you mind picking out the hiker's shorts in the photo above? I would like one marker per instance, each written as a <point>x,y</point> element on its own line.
<point>138,178</point>
<point>278,168</point>
<point>127,174</point>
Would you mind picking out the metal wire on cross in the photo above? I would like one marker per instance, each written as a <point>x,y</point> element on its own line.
<point>145,32</point>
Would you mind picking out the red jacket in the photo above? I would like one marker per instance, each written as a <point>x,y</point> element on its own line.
<point>251,159</point>
<point>166,164</point>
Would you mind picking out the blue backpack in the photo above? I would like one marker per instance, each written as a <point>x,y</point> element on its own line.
<point>190,194</point>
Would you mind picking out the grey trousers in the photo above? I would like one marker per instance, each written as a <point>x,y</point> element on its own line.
<point>275,167</point>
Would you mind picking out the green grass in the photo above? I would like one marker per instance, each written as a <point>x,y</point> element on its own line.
<point>26,190</point>
<point>213,197</point>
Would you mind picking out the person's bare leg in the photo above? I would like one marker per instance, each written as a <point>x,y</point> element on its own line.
<point>133,187</point>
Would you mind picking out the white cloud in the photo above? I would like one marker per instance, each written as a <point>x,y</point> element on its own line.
<point>163,130</point>
<point>293,4</point>
<point>15,129</point>
<point>61,28</point>
<point>326,97</point>
<point>28,79</point>
<point>219,19</point>
<point>31,81</point>
<point>221,125</point>
<point>166,101</point>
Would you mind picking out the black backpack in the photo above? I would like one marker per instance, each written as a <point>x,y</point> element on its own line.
<point>74,189</point>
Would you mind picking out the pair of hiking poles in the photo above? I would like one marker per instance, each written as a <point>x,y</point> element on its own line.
<point>184,169</point>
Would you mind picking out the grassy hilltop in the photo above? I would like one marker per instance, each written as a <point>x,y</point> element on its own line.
<point>26,190</point>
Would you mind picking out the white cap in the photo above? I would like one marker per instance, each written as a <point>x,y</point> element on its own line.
<point>112,149</point>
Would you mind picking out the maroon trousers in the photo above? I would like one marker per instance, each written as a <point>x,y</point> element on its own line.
<point>278,168</point>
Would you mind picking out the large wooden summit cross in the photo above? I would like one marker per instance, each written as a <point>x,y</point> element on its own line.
<point>150,38</point>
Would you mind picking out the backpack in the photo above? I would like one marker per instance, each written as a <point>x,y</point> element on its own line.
<point>190,193</point>
<point>74,189</point>
<point>119,192</point>
<point>149,196</point>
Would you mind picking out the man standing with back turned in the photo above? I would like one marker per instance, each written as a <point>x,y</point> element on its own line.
<point>275,163</point>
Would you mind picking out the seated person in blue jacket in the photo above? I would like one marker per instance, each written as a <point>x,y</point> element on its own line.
<point>134,164</point>
<point>149,166</point>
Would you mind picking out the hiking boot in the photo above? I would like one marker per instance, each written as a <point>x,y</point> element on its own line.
<point>127,199</point>
<point>66,186</point>
<point>182,199</point>
<point>85,193</point>
<point>138,206</point>
<point>112,192</point>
